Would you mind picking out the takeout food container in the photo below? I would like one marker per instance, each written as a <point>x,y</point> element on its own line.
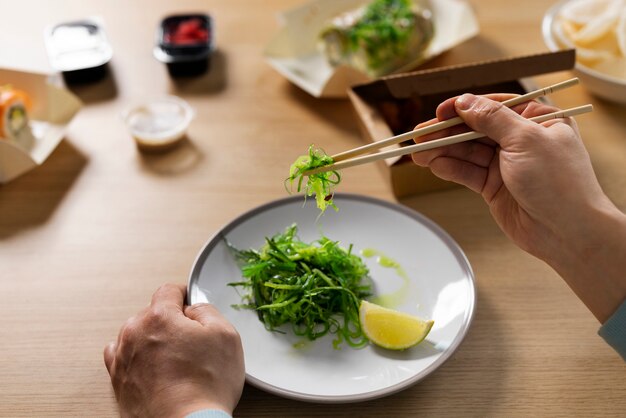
<point>158,124</point>
<point>184,43</point>
<point>294,51</point>
<point>79,49</point>
<point>53,108</point>
<point>396,104</point>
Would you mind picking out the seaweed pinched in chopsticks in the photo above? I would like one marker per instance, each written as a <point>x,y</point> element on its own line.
<point>320,184</point>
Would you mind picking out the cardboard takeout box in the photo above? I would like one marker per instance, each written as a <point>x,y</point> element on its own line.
<point>294,51</point>
<point>396,104</point>
<point>53,108</point>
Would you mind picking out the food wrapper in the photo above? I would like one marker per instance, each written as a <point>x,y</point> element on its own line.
<point>295,54</point>
<point>53,108</point>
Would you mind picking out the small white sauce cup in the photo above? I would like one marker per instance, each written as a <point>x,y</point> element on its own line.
<point>159,123</point>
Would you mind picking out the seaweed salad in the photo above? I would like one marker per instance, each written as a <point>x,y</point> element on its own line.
<point>315,287</point>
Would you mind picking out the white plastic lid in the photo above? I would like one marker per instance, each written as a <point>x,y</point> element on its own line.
<point>78,45</point>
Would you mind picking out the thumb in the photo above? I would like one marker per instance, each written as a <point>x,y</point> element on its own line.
<point>204,313</point>
<point>491,118</point>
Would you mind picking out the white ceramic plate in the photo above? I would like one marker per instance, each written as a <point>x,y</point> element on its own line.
<point>440,286</point>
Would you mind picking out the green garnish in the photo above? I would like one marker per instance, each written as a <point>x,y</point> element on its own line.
<point>383,31</point>
<point>320,184</point>
<point>380,37</point>
<point>316,287</point>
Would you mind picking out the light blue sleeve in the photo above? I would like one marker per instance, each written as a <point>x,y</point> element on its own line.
<point>209,413</point>
<point>614,330</point>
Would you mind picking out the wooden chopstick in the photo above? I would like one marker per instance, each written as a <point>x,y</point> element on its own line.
<point>455,139</point>
<point>449,122</point>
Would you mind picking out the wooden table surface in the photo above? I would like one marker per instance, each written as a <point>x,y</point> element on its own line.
<point>86,238</point>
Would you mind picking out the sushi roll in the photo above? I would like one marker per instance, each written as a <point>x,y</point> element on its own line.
<point>380,37</point>
<point>14,124</point>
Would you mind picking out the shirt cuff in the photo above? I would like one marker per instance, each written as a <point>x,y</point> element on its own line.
<point>614,330</point>
<point>209,413</point>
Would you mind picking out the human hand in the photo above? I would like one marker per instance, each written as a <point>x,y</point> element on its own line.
<point>170,360</point>
<point>526,172</point>
<point>540,187</point>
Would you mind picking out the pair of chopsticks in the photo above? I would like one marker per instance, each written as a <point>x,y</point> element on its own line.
<point>345,160</point>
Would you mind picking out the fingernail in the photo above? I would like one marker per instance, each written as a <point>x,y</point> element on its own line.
<point>465,101</point>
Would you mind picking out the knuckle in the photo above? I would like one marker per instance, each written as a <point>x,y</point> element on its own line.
<point>229,334</point>
<point>221,330</point>
<point>129,330</point>
<point>165,287</point>
<point>155,317</point>
<point>488,108</point>
<point>198,307</point>
<point>162,290</point>
<point>130,325</point>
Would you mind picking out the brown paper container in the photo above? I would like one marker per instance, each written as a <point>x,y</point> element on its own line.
<point>395,104</point>
<point>53,109</point>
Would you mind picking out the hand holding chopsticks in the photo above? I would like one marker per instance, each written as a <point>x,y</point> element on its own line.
<point>343,160</point>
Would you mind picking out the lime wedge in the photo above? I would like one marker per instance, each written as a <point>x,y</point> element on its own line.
<point>392,329</point>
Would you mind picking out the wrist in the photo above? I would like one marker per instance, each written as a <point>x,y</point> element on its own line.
<point>598,233</point>
<point>590,255</point>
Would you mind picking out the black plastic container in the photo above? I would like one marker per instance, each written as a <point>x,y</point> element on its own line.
<point>185,43</point>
